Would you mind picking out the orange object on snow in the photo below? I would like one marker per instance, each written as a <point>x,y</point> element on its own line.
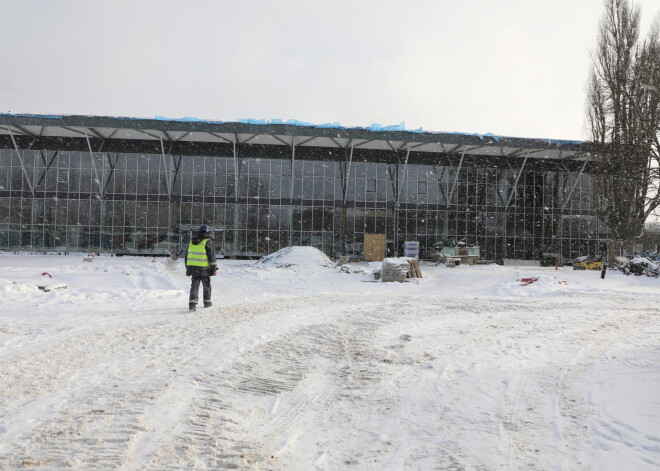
<point>529,281</point>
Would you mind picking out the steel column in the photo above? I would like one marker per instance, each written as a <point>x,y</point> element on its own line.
<point>397,198</point>
<point>168,182</point>
<point>346,177</point>
<point>291,183</point>
<point>236,170</point>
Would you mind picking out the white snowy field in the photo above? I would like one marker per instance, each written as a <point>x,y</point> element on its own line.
<point>305,367</point>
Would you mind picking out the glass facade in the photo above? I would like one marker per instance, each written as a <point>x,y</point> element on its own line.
<point>62,200</point>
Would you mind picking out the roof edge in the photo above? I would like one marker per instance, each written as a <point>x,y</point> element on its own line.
<point>289,127</point>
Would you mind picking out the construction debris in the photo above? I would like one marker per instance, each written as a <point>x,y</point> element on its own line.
<point>52,286</point>
<point>529,281</point>
<point>47,284</point>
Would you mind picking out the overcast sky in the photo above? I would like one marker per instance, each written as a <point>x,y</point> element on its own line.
<point>510,67</point>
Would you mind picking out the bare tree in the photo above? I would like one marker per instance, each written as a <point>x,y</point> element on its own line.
<point>623,119</point>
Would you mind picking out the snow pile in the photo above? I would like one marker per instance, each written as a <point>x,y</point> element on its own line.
<point>644,261</point>
<point>644,264</point>
<point>305,257</point>
<point>534,285</point>
<point>8,287</point>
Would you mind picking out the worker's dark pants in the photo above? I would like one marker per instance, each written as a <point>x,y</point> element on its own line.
<point>194,289</point>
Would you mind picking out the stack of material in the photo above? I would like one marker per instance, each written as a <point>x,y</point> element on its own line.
<point>394,269</point>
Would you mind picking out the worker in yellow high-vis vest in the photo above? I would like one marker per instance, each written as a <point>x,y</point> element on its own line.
<point>201,265</point>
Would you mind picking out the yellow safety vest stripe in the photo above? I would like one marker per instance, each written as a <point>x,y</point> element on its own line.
<point>197,255</point>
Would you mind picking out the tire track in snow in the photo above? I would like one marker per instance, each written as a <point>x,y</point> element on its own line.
<point>250,404</point>
<point>79,432</point>
<point>251,379</point>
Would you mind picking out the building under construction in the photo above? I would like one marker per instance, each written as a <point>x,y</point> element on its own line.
<point>136,186</point>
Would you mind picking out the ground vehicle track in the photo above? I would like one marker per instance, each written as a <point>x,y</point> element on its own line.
<point>107,427</point>
<point>138,384</point>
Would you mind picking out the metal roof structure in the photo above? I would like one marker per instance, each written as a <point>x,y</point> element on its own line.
<point>197,132</point>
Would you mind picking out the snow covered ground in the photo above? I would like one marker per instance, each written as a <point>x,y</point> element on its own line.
<point>302,366</point>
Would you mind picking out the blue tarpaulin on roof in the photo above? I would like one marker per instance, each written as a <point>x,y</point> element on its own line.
<point>376,127</point>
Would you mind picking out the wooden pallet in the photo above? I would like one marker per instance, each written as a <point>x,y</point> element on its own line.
<point>414,271</point>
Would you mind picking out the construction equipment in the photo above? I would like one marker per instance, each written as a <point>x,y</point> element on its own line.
<point>458,254</point>
<point>587,263</point>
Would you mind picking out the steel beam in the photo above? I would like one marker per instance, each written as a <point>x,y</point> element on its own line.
<point>439,176</point>
<point>155,136</point>
<point>74,130</point>
<point>281,140</point>
<point>236,170</point>
<point>236,166</point>
<point>406,144</point>
<point>219,137</point>
<point>182,136</point>
<point>248,139</point>
<point>338,144</point>
<point>97,133</point>
<point>570,193</point>
<point>347,177</point>
<point>306,141</point>
<point>453,149</point>
<point>453,187</point>
<point>293,159</point>
<point>515,184</point>
<point>366,141</point>
<point>20,159</point>
<point>291,183</point>
<point>168,175</point>
<point>47,165</point>
<point>25,131</point>
<point>415,146</point>
<point>112,171</point>
<point>514,153</point>
<point>96,170</point>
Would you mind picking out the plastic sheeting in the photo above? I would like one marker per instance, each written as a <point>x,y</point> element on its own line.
<point>376,127</point>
